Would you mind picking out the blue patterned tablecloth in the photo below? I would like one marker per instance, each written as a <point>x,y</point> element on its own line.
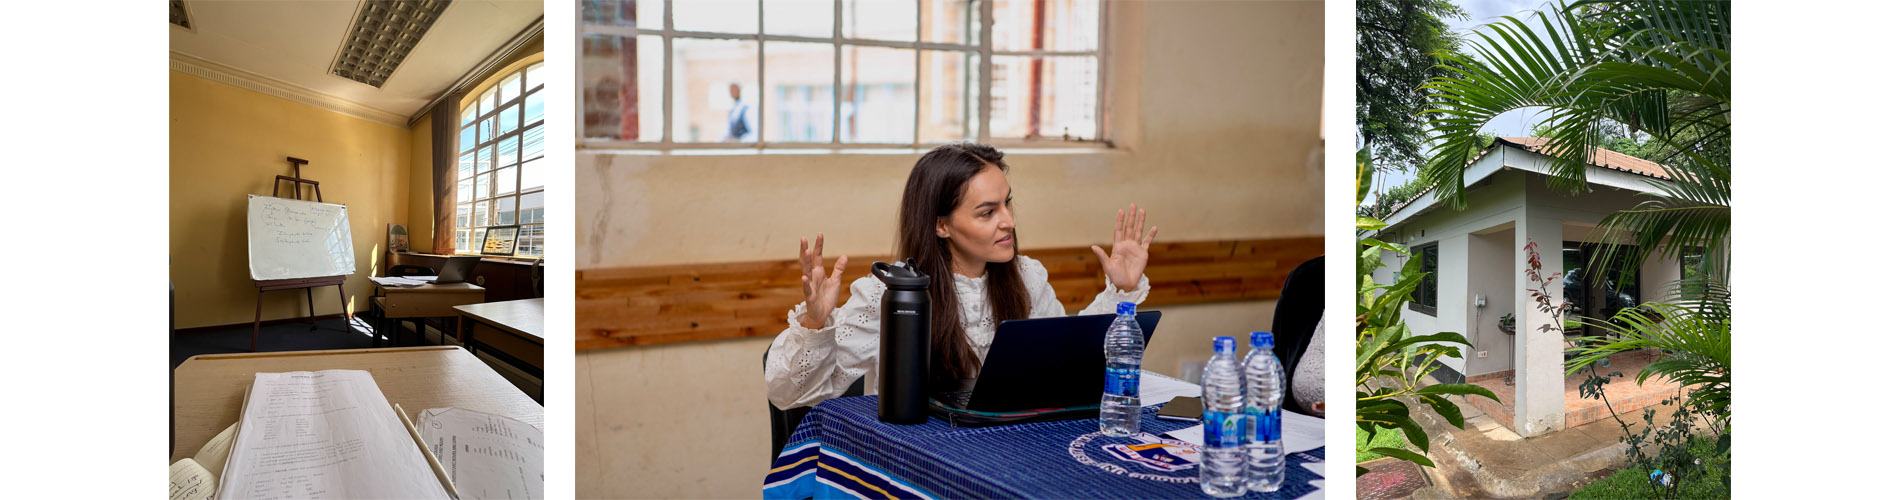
<point>842,450</point>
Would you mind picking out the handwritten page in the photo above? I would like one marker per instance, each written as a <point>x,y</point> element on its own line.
<point>327,434</point>
<point>191,481</point>
<point>487,456</point>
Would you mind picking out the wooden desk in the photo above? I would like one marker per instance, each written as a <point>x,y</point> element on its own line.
<point>426,301</point>
<point>512,328</point>
<point>211,387</point>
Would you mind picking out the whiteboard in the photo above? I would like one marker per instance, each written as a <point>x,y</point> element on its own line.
<point>298,239</point>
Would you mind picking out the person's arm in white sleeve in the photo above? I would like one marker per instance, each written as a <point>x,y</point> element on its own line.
<point>806,366</point>
<point>1105,301</point>
<point>1043,302</point>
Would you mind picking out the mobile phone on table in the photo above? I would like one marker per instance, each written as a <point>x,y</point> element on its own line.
<point>1181,408</point>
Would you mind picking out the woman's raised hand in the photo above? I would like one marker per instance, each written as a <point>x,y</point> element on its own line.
<point>821,292</point>
<point>1129,255</point>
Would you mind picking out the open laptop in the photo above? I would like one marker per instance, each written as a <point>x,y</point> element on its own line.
<point>456,270</point>
<point>1046,364</point>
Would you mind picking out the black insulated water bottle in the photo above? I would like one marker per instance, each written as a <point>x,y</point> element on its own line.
<point>904,345</point>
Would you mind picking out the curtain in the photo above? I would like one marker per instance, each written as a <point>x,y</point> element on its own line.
<point>442,134</point>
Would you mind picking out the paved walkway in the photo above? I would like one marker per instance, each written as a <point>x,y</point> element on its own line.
<point>1488,460</point>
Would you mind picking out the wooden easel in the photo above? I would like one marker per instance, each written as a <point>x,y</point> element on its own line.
<point>307,284</point>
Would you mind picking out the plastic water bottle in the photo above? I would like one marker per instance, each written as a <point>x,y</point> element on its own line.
<point>1266,388</point>
<point>1121,384</point>
<point>1223,460</point>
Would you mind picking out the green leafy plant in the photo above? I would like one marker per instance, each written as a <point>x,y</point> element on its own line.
<point>1391,364</point>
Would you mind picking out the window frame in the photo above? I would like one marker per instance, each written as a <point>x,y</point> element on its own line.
<point>463,229</point>
<point>1431,277</point>
<point>982,49</point>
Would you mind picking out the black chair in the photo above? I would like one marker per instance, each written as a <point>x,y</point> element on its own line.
<point>382,318</point>
<point>786,421</point>
<point>1302,303</point>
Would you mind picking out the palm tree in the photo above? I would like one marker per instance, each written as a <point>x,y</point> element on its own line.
<point>1597,66</point>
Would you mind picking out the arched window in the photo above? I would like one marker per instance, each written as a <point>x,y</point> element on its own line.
<point>500,176</point>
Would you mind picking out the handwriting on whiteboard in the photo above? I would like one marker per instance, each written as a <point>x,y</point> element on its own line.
<point>296,224</point>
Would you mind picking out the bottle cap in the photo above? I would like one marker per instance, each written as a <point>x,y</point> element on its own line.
<point>1125,308</point>
<point>1262,339</point>
<point>1224,345</point>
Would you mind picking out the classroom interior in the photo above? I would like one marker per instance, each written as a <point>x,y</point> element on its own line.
<point>255,83</point>
<point>1213,109</point>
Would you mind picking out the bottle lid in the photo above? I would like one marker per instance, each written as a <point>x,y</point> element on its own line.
<point>1223,345</point>
<point>1125,308</point>
<point>1262,339</point>
<point>901,276</point>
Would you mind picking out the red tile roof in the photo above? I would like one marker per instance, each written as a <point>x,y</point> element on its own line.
<point>1604,158</point>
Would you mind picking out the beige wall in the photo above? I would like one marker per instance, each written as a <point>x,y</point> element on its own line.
<point>1214,109</point>
<point>227,142</point>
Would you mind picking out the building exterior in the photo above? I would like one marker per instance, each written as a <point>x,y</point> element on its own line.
<point>1479,262</point>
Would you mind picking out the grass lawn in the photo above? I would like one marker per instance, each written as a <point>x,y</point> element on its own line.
<point>1633,482</point>
<point>1386,438</point>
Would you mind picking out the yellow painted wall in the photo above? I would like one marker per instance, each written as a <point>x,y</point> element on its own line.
<point>1214,107</point>
<point>227,142</point>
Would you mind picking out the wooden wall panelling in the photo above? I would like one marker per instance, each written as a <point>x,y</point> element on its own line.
<point>661,304</point>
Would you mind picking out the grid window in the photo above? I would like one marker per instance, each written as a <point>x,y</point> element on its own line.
<point>499,179</point>
<point>1425,297</point>
<point>821,73</point>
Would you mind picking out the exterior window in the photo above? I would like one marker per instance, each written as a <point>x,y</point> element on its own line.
<point>1600,299</point>
<point>824,73</point>
<point>1425,297</point>
<point>500,174</point>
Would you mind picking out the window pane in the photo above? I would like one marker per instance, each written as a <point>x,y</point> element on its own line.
<point>798,76</point>
<point>510,119</point>
<point>798,17</point>
<point>505,182</point>
<point>531,207</point>
<point>949,97</point>
<point>1043,97</point>
<point>881,19</point>
<point>534,77</point>
<point>529,241</point>
<point>505,211</point>
<point>461,215</point>
<point>510,151</point>
<point>461,240</point>
<point>536,109</point>
<point>468,115</point>
<point>481,214</point>
<point>640,13</point>
<point>510,87</point>
<point>615,73</point>
<point>468,138</point>
<point>706,73</point>
<point>484,186</point>
<point>485,159</point>
<point>950,21</point>
<point>488,129</point>
<point>464,191</point>
<point>531,142</point>
<point>466,166</point>
<point>487,101</point>
<point>879,101</point>
<point>1066,25</point>
<point>724,16</point>
<point>531,175</point>
<point>475,237</point>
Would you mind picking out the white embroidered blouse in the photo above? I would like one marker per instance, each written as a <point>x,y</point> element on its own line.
<point>806,366</point>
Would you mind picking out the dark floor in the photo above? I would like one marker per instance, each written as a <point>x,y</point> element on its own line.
<point>329,334</point>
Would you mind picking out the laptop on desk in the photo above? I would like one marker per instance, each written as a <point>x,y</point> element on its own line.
<point>456,270</point>
<point>1040,369</point>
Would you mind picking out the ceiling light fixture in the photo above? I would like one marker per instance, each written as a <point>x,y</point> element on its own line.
<point>381,36</point>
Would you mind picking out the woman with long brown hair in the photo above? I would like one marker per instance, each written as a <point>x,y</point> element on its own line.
<point>958,222</point>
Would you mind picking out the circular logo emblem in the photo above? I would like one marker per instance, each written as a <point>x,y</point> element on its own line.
<point>1141,456</point>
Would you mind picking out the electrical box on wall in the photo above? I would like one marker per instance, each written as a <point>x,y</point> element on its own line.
<point>1484,354</point>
